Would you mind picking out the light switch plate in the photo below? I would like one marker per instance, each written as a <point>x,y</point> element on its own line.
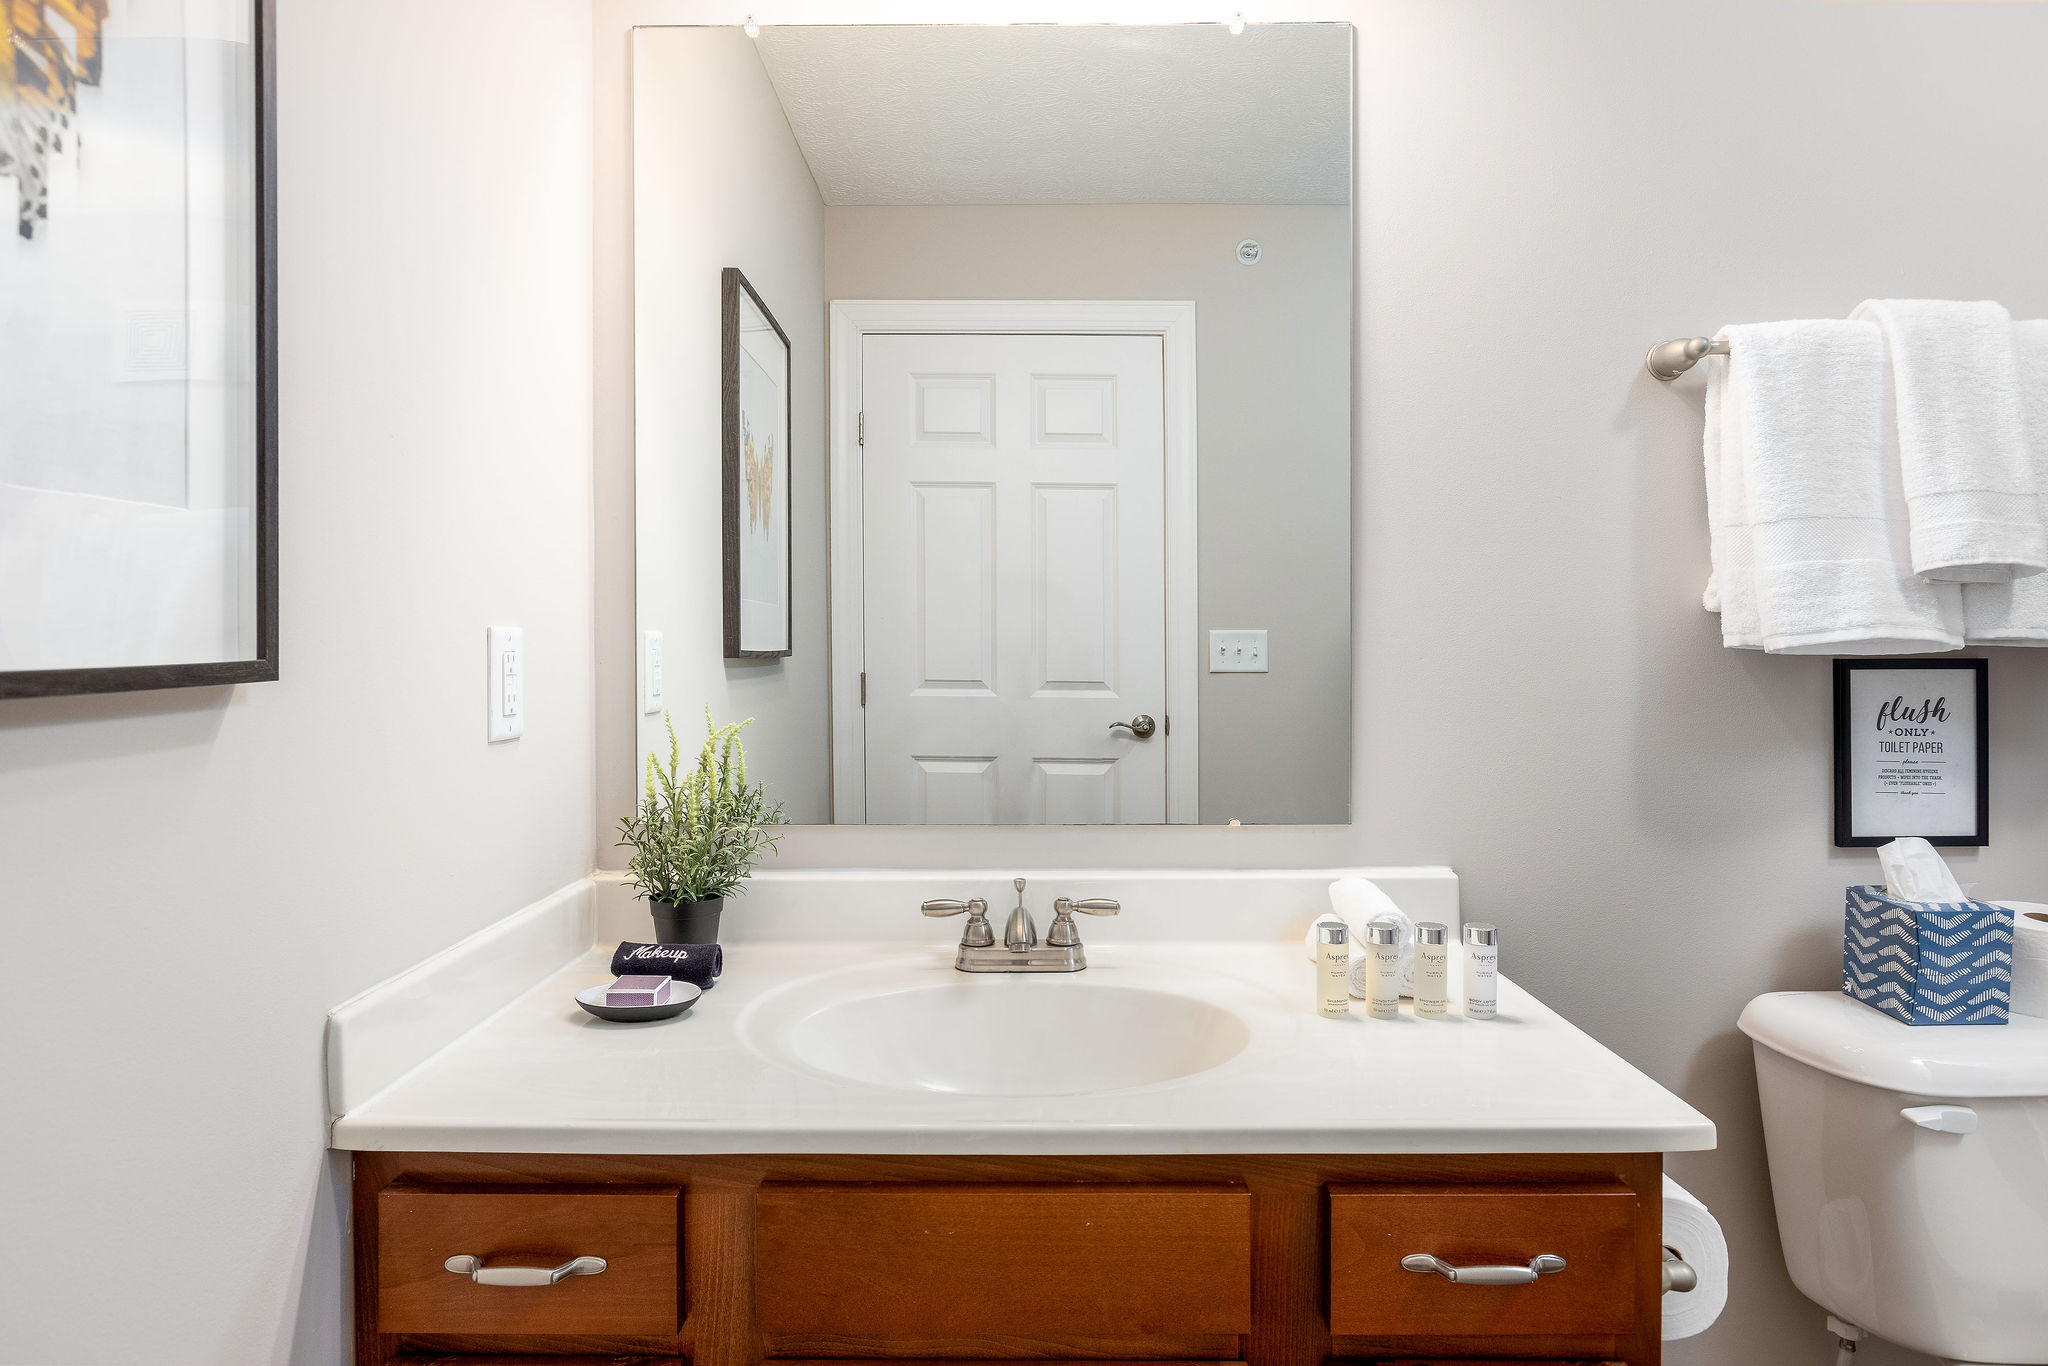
<point>1237,652</point>
<point>507,691</point>
<point>650,672</point>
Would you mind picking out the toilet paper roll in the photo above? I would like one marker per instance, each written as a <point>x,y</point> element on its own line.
<point>2029,957</point>
<point>1695,1235</point>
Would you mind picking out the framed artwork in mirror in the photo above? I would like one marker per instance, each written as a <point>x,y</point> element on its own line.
<point>755,398</point>
<point>1912,751</point>
<point>138,347</point>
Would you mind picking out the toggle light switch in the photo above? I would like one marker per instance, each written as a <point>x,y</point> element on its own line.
<point>650,672</point>
<point>1237,652</point>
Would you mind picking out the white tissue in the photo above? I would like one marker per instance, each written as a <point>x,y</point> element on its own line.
<point>1358,902</point>
<point>1913,871</point>
<point>1691,1230</point>
<point>2029,957</point>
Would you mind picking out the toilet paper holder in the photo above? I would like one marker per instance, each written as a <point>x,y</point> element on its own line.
<point>1678,1273</point>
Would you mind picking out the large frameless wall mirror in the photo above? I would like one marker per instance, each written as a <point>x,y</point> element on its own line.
<point>993,417</point>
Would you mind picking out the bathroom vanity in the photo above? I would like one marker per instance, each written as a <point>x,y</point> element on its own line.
<point>852,1151</point>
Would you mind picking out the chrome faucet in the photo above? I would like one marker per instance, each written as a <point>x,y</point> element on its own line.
<point>1021,951</point>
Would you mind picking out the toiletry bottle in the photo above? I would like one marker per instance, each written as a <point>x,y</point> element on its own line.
<point>1333,970</point>
<point>1482,972</point>
<point>1383,971</point>
<point>1432,970</point>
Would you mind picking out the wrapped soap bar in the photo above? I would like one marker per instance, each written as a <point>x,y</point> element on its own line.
<point>640,991</point>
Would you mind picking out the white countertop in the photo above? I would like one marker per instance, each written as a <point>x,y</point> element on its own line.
<point>540,1076</point>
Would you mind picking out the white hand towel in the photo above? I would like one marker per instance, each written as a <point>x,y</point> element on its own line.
<point>2016,613</point>
<point>1970,493</point>
<point>1809,537</point>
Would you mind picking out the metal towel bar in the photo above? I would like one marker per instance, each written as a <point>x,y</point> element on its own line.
<point>1669,360</point>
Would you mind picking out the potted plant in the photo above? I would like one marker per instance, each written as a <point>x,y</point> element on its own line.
<point>697,835</point>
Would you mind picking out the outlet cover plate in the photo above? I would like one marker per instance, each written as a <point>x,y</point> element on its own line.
<point>507,690</point>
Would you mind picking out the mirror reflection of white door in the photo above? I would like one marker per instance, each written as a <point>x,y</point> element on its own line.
<point>1014,578</point>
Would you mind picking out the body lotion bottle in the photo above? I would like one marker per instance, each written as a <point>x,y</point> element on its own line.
<point>1482,972</point>
<point>1333,970</point>
<point>1432,970</point>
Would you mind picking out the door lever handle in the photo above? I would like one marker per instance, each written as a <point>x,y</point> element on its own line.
<point>1140,726</point>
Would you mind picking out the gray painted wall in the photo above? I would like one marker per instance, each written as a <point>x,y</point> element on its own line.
<point>1273,424</point>
<point>256,855</point>
<point>741,198</point>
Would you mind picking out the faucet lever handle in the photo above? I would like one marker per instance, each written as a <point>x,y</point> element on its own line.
<point>1094,905</point>
<point>977,935</point>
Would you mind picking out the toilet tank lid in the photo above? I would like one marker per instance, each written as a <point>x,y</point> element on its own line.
<point>1845,1038</point>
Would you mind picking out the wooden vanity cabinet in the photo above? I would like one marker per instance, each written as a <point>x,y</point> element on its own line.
<point>814,1261</point>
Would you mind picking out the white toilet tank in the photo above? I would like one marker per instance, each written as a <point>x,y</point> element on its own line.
<point>1934,1240</point>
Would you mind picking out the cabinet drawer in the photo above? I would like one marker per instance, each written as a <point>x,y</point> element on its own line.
<point>1594,1228</point>
<point>633,1229</point>
<point>882,1261</point>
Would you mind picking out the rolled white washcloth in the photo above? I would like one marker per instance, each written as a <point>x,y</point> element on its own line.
<point>1691,1231</point>
<point>2029,957</point>
<point>1358,902</point>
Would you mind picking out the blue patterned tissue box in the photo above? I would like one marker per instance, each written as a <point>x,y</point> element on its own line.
<point>1927,962</point>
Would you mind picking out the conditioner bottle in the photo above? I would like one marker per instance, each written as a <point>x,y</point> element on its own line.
<point>1432,970</point>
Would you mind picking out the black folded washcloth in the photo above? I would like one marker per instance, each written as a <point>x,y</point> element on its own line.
<point>693,963</point>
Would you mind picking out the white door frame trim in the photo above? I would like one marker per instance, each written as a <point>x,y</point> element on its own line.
<point>1173,322</point>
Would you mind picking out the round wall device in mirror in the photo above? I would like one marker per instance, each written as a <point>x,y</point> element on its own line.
<point>1249,252</point>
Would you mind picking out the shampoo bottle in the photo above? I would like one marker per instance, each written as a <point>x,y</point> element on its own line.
<point>1482,972</point>
<point>1383,971</point>
<point>1432,970</point>
<point>1333,970</point>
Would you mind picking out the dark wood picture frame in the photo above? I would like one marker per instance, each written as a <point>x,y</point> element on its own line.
<point>263,666</point>
<point>731,282</point>
<point>1845,838</point>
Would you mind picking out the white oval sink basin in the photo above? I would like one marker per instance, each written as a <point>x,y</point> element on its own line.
<point>1003,1038</point>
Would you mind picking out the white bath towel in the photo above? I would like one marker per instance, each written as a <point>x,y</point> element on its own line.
<point>1809,523</point>
<point>2016,613</point>
<point>1970,494</point>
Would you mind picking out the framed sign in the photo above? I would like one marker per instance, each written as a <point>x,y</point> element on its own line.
<point>138,346</point>
<point>1912,742</point>
<point>756,401</point>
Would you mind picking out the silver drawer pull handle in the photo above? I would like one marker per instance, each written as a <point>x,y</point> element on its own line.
<point>1545,1265</point>
<point>474,1268</point>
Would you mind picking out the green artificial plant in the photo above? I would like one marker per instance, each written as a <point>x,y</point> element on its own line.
<point>698,834</point>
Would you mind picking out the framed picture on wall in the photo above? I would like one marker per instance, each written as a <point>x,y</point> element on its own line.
<point>138,347</point>
<point>1912,742</point>
<point>756,402</point>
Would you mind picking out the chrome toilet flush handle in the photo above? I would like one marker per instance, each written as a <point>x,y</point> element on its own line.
<point>1547,1264</point>
<point>474,1268</point>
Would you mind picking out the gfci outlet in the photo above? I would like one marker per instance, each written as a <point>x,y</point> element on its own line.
<point>1237,652</point>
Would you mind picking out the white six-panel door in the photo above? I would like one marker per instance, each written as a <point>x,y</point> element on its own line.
<point>1013,578</point>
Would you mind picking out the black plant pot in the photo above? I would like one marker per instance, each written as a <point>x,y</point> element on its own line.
<point>692,922</point>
